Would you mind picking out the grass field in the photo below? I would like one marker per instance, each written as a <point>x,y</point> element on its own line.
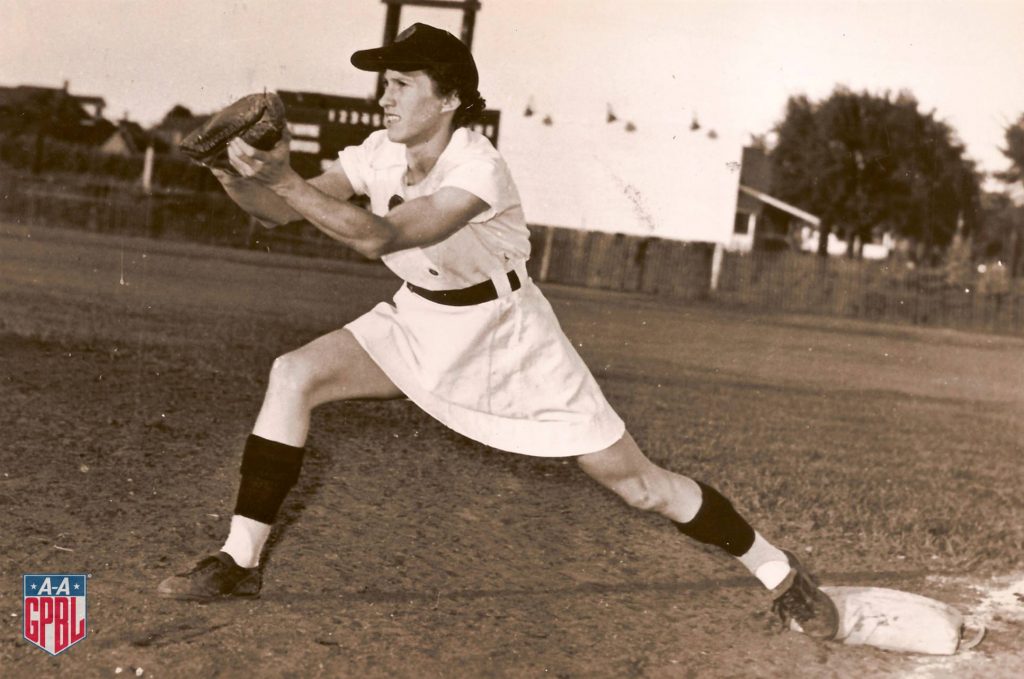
<point>131,371</point>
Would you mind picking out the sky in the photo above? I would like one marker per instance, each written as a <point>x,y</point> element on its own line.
<point>659,63</point>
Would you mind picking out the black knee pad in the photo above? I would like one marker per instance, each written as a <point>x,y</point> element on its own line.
<point>271,460</point>
<point>269,470</point>
<point>718,523</point>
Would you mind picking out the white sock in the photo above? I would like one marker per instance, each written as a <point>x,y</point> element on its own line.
<point>245,540</point>
<point>772,574</point>
<point>767,562</point>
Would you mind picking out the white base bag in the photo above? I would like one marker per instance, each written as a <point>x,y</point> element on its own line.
<point>899,621</point>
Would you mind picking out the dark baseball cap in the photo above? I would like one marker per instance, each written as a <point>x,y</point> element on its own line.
<point>418,47</point>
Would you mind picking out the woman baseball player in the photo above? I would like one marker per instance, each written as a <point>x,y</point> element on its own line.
<point>468,337</point>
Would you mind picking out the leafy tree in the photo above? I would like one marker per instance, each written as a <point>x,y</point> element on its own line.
<point>178,112</point>
<point>867,164</point>
<point>1014,151</point>
<point>1003,233</point>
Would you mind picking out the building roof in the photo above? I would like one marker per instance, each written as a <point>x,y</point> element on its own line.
<point>134,137</point>
<point>21,95</point>
<point>781,205</point>
<point>756,182</point>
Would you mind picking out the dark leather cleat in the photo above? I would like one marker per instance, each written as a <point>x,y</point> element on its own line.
<point>802,606</point>
<point>213,577</point>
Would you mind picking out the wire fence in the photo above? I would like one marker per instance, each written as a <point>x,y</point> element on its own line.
<point>889,291</point>
<point>124,208</point>
<point>81,163</point>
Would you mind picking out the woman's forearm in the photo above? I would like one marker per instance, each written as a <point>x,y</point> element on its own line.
<point>257,200</point>
<point>359,229</point>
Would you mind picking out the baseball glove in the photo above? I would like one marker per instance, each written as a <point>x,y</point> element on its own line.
<point>257,118</point>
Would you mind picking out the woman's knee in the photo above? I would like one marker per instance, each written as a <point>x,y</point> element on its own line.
<point>643,492</point>
<point>294,374</point>
<point>637,485</point>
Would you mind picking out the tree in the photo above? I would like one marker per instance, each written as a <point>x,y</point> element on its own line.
<point>1003,235</point>
<point>867,164</point>
<point>178,112</point>
<point>1014,151</point>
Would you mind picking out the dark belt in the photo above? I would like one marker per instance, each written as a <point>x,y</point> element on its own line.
<point>474,294</point>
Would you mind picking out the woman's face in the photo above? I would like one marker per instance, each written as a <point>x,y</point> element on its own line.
<point>413,112</point>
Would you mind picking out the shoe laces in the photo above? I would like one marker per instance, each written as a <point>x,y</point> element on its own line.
<point>795,602</point>
<point>204,564</point>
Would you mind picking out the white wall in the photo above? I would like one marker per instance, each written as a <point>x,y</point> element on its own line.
<point>668,183</point>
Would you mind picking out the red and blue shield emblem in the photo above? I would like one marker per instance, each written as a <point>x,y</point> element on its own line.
<point>54,610</point>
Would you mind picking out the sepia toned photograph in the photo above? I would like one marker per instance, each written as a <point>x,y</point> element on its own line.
<point>512,338</point>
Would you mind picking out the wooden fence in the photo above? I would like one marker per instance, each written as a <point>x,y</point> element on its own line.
<point>623,263</point>
<point>791,282</point>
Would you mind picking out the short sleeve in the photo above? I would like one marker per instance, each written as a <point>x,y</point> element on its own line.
<point>486,178</point>
<point>354,160</point>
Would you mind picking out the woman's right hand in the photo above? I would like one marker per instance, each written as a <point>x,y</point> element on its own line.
<point>225,176</point>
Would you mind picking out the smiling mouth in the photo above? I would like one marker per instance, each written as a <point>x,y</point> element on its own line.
<point>391,118</point>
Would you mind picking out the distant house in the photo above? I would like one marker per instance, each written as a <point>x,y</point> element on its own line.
<point>764,222</point>
<point>178,122</point>
<point>71,117</point>
<point>27,95</point>
<point>129,139</point>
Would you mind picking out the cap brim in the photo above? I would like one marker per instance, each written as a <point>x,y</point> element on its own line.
<point>383,58</point>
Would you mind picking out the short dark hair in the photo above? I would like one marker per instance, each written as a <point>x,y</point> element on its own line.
<point>450,81</point>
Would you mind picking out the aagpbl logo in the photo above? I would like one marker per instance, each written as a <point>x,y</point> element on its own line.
<point>54,610</point>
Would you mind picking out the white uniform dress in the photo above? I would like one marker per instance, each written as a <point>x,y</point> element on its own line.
<point>501,372</point>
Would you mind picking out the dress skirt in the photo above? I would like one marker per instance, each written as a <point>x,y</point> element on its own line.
<point>502,372</point>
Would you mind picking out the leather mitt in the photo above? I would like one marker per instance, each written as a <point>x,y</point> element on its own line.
<point>257,118</point>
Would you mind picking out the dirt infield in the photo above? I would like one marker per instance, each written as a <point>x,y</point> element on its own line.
<point>131,371</point>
